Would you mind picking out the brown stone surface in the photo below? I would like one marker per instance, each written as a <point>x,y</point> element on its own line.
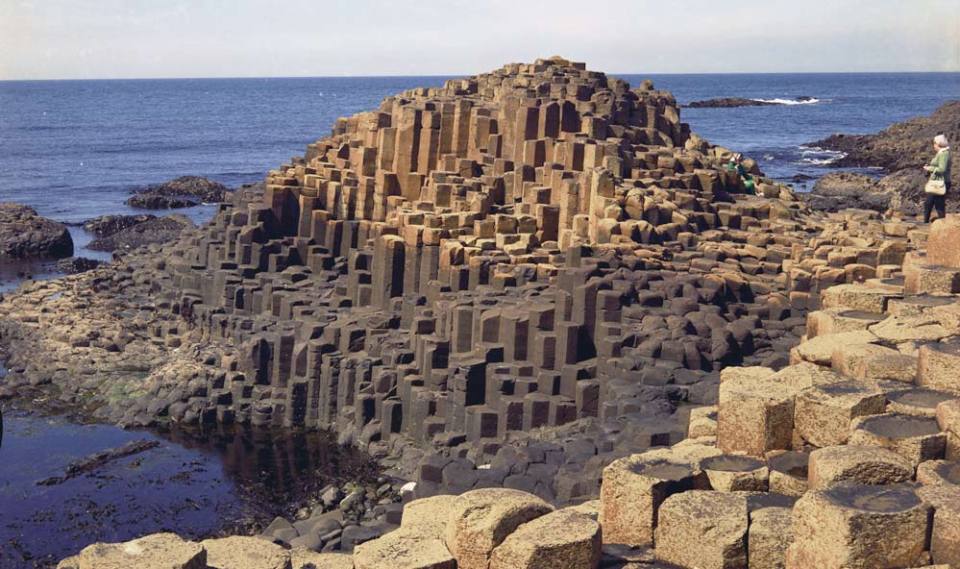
<point>858,527</point>
<point>915,438</point>
<point>562,539</point>
<point>703,529</point>
<point>404,549</point>
<point>239,552</point>
<point>305,559</point>
<point>156,551</point>
<point>631,494</point>
<point>769,535</point>
<point>945,535</point>
<point>481,519</point>
<point>942,242</point>
<point>859,464</point>
<point>823,412</point>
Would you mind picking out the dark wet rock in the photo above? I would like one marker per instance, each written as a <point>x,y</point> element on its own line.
<point>901,150</point>
<point>729,102</point>
<point>842,190</point>
<point>98,460</point>
<point>25,235</point>
<point>156,230</point>
<point>75,265</point>
<point>186,191</point>
<point>110,224</point>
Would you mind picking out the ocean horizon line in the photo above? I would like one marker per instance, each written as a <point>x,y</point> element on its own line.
<point>464,75</point>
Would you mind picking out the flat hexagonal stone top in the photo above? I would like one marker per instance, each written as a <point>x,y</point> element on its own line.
<point>731,463</point>
<point>794,463</point>
<point>877,499</point>
<point>923,398</point>
<point>861,315</point>
<point>949,471</point>
<point>662,470</point>
<point>896,426</point>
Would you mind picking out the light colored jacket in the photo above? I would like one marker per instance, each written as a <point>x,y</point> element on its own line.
<point>940,166</point>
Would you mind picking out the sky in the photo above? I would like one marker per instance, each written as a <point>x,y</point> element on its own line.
<point>94,39</point>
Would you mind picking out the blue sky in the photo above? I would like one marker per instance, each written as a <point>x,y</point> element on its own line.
<point>51,39</point>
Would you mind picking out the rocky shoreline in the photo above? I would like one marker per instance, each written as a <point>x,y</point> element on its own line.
<point>900,152</point>
<point>519,292</point>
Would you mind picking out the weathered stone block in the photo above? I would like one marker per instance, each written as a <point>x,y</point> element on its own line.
<point>563,539</point>
<point>861,464</point>
<point>939,367</point>
<point>823,412</point>
<point>915,438</point>
<point>858,527</point>
<point>404,549</point>
<point>732,473</point>
<point>156,551</point>
<point>246,552</point>
<point>481,519</point>
<point>769,536</point>
<point>632,491</point>
<point>686,519</point>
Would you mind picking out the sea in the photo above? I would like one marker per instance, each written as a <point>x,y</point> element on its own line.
<point>74,150</point>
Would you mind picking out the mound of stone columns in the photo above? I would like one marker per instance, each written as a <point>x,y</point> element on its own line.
<point>841,459</point>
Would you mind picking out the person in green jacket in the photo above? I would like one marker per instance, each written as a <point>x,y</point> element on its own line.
<point>736,165</point>
<point>939,169</point>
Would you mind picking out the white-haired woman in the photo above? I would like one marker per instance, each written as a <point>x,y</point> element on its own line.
<point>939,182</point>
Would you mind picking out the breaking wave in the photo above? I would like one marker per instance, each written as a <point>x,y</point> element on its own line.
<point>800,101</point>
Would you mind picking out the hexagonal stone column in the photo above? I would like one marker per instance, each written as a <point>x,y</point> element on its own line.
<point>917,401</point>
<point>632,491</point>
<point>480,520</point>
<point>945,535</point>
<point>852,526</point>
<point>243,551</point>
<point>769,536</point>
<point>564,539</point>
<point>823,412</point>
<point>939,367</point>
<point>948,419</point>
<point>703,529</point>
<point>755,416</point>
<point>156,550</point>
<point>788,472</point>
<point>860,464</point>
<point>404,549</point>
<point>915,438</point>
<point>939,473</point>
<point>731,473</point>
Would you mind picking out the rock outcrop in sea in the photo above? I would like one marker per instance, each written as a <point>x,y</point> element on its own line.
<point>536,295</point>
<point>26,235</point>
<point>185,191</point>
<point>901,150</point>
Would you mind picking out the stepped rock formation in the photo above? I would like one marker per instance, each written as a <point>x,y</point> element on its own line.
<point>847,458</point>
<point>525,280</point>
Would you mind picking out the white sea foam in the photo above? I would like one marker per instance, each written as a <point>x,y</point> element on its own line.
<point>790,101</point>
<point>819,156</point>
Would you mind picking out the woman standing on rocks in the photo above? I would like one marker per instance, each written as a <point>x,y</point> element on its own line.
<point>939,183</point>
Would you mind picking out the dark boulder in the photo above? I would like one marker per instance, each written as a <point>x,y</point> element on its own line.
<point>75,265</point>
<point>110,224</point>
<point>153,231</point>
<point>186,191</point>
<point>842,190</point>
<point>26,235</point>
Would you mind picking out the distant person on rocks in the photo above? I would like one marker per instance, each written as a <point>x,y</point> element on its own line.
<point>939,183</point>
<point>736,165</point>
